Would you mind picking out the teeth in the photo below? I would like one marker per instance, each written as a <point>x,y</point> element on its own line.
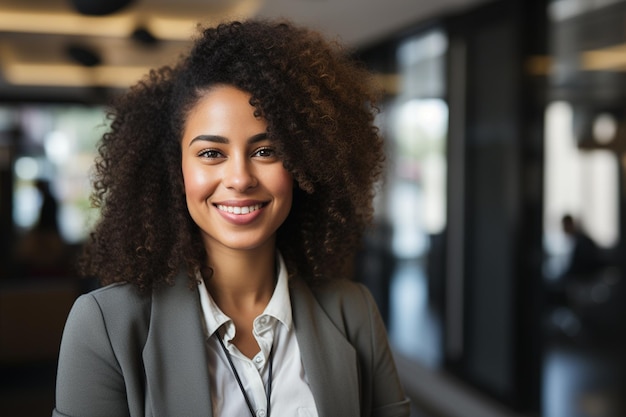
<point>238,209</point>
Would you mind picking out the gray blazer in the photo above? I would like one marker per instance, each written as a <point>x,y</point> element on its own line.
<point>124,354</point>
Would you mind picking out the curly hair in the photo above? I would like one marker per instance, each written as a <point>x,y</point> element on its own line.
<point>319,105</point>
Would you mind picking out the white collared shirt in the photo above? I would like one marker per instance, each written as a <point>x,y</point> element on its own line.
<point>291,394</point>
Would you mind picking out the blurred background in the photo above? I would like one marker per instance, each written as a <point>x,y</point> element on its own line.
<point>496,255</point>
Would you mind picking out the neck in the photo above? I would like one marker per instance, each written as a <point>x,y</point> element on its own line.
<point>242,280</point>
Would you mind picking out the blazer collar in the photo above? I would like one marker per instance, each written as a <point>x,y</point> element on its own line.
<point>177,380</point>
<point>330,361</point>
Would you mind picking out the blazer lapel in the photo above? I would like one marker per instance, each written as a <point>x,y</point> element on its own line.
<point>329,360</point>
<point>175,355</point>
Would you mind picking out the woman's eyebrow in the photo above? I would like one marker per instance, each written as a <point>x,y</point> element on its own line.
<point>257,138</point>
<point>221,139</point>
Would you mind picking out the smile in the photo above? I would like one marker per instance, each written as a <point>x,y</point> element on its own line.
<point>239,209</point>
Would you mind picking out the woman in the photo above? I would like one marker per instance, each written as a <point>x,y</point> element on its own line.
<point>234,189</point>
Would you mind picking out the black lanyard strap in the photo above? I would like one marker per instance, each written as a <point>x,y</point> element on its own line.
<point>268,391</point>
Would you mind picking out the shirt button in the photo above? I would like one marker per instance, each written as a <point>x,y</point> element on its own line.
<point>260,413</point>
<point>258,359</point>
<point>263,320</point>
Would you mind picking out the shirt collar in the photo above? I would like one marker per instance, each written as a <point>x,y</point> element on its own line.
<point>279,306</point>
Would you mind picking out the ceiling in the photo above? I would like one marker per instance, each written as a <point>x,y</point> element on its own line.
<point>46,46</point>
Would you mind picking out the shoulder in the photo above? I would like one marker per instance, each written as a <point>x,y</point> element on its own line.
<point>123,308</point>
<point>119,297</point>
<point>125,298</point>
<point>115,310</point>
<point>344,294</point>
<point>119,316</point>
<point>348,304</point>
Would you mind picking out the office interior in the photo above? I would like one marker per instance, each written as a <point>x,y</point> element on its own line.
<point>496,255</point>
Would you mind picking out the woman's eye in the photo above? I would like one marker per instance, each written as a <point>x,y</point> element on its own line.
<point>265,152</point>
<point>210,153</point>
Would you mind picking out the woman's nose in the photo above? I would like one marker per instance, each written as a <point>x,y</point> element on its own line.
<point>239,175</point>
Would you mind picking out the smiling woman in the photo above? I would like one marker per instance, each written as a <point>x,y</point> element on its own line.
<point>234,189</point>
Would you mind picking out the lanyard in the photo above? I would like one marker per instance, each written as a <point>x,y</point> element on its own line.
<point>268,391</point>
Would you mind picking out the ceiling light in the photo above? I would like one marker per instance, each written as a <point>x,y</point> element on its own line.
<point>66,24</point>
<point>62,75</point>
<point>603,60</point>
<point>122,25</point>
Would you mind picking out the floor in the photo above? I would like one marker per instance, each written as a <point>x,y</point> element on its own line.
<point>579,382</point>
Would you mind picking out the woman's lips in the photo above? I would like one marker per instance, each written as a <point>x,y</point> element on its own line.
<point>240,213</point>
<point>239,209</point>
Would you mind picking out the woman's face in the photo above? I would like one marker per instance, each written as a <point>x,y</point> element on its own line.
<point>237,190</point>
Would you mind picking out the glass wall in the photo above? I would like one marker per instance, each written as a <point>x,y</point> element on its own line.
<point>411,206</point>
